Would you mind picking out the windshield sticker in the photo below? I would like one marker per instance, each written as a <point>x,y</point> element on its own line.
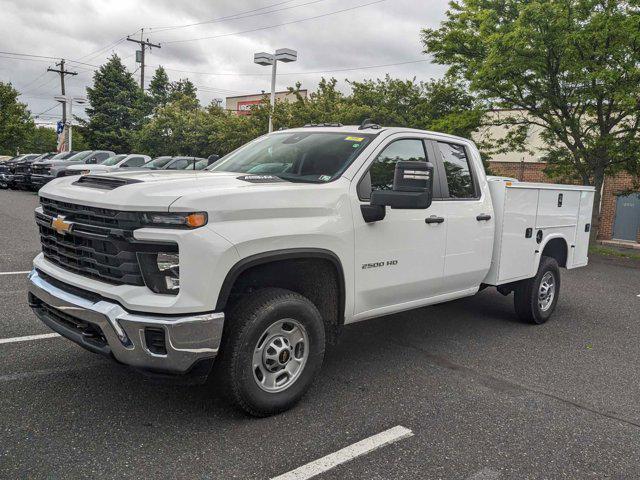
<point>354,139</point>
<point>325,178</point>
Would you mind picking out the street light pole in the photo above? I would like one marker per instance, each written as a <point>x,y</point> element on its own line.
<point>274,71</point>
<point>68,100</point>
<point>284,55</point>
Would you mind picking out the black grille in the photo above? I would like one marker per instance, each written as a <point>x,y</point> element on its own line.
<point>100,217</point>
<point>99,245</point>
<point>40,169</point>
<point>91,332</point>
<point>22,168</point>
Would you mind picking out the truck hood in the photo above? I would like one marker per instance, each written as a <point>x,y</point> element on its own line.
<point>160,190</point>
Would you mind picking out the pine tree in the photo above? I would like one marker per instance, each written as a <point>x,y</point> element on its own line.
<point>159,88</point>
<point>184,88</point>
<point>117,107</point>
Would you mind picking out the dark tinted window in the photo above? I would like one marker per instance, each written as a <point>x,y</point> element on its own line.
<point>456,167</point>
<point>179,164</point>
<point>135,162</point>
<point>383,167</point>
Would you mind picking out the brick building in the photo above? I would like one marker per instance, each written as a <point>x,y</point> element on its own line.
<point>620,220</point>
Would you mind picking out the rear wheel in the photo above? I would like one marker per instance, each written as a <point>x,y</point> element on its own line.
<point>535,299</point>
<point>272,348</point>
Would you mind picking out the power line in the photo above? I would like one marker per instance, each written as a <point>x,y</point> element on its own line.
<point>308,72</point>
<point>28,55</point>
<point>274,26</point>
<point>238,16</point>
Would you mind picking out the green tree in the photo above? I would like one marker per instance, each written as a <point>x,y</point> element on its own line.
<point>117,107</point>
<point>184,88</point>
<point>572,65</point>
<point>16,126</point>
<point>42,139</point>
<point>159,88</point>
<point>176,129</point>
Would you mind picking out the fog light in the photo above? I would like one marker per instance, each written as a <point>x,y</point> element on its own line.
<point>161,271</point>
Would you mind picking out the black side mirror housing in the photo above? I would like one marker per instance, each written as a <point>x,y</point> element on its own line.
<point>412,187</point>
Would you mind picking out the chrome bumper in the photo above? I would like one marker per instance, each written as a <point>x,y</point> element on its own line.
<point>188,339</point>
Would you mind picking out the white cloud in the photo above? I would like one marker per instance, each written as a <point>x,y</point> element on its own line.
<point>383,33</point>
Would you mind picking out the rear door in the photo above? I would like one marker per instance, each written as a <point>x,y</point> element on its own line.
<point>398,260</point>
<point>468,210</point>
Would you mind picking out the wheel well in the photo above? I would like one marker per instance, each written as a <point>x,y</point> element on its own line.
<point>319,278</point>
<point>557,248</point>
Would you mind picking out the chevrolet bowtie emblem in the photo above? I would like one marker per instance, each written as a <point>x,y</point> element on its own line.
<point>60,225</point>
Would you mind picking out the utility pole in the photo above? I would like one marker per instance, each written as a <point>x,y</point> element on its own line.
<point>62,73</point>
<point>143,44</point>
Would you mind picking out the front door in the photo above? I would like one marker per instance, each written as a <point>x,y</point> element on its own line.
<point>627,221</point>
<point>400,259</point>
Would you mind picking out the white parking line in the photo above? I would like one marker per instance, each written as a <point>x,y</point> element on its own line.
<point>28,338</point>
<point>15,273</point>
<point>346,454</point>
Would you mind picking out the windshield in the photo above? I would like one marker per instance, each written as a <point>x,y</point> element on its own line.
<point>157,163</point>
<point>201,164</point>
<point>80,156</point>
<point>113,160</point>
<point>299,156</point>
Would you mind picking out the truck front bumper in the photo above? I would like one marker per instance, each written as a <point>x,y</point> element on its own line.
<point>156,343</point>
<point>37,179</point>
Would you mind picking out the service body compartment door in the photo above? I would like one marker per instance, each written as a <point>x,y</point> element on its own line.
<point>557,208</point>
<point>581,249</point>
<point>517,256</point>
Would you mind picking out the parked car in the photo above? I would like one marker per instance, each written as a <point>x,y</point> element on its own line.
<point>22,171</point>
<point>18,167</point>
<point>259,272</point>
<point>132,160</point>
<point>5,166</point>
<point>44,172</point>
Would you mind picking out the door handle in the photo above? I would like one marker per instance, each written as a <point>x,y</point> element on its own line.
<point>483,217</point>
<point>433,219</point>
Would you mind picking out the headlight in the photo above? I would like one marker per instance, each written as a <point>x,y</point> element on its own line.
<point>175,220</point>
<point>161,271</point>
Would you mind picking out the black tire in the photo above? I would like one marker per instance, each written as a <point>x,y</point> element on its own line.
<point>526,294</point>
<point>252,315</point>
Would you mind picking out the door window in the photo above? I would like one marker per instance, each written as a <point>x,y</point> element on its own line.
<point>381,173</point>
<point>457,170</point>
<point>134,162</point>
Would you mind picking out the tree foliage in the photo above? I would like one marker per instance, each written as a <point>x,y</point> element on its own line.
<point>572,67</point>
<point>16,126</point>
<point>159,88</point>
<point>117,107</point>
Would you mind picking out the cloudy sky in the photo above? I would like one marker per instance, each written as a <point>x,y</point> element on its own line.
<point>212,42</point>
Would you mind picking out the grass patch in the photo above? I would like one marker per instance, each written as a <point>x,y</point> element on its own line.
<point>613,252</point>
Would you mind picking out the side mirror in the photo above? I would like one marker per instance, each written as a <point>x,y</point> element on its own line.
<point>412,187</point>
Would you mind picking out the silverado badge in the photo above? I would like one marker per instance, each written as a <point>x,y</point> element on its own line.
<point>60,225</point>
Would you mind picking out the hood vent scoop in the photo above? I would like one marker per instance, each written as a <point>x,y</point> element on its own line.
<point>103,183</point>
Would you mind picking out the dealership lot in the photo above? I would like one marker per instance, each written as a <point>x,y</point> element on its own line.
<point>484,396</point>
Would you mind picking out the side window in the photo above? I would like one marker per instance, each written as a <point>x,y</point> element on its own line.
<point>178,164</point>
<point>135,162</point>
<point>381,172</point>
<point>457,170</point>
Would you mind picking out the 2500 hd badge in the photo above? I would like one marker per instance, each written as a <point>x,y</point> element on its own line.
<point>388,263</point>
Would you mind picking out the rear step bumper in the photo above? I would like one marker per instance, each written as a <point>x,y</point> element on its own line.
<point>162,344</point>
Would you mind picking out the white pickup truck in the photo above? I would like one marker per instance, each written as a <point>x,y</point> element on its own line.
<point>259,260</point>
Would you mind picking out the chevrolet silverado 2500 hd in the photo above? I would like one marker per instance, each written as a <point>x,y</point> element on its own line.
<point>258,261</point>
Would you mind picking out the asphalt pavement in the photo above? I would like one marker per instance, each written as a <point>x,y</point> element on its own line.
<point>485,397</point>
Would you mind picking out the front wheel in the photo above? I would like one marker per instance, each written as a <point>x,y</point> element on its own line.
<point>272,348</point>
<point>535,299</point>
